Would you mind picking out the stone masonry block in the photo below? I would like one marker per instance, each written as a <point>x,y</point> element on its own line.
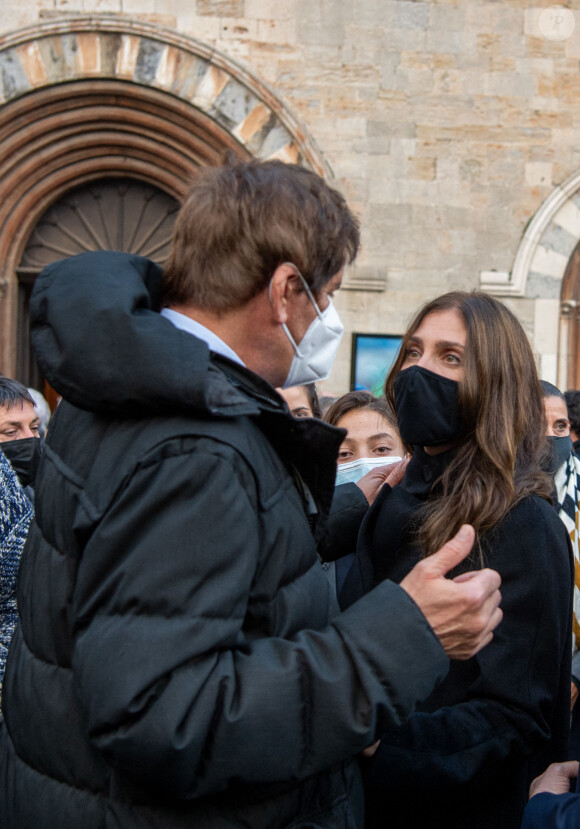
<point>238,30</point>
<point>451,41</point>
<point>277,31</point>
<point>568,218</point>
<point>411,15</point>
<point>546,319</point>
<point>541,286</point>
<point>220,8</point>
<point>270,9</point>
<point>559,239</point>
<point>422,168</point>
<point>548,263</point>
<point>538,173</point>
<point>13,80</point>
<point>141,7</point>
<point>447,17</point>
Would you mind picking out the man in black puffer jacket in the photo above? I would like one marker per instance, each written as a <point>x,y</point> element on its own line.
<point>179,661</point>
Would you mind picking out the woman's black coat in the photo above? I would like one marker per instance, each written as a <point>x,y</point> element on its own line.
<point>466,758</point>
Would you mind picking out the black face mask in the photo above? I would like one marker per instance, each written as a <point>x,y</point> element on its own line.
<point>23,455</point>
<point>560,449</point>
<point>427,407</point>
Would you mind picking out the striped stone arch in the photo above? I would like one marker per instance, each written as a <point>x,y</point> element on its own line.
<point>546,271</point>
<point>156,57</point>
<point>545,249</point>
<point>108,97</point>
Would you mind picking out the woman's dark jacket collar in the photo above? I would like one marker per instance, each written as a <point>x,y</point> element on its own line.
<point>423,470</point>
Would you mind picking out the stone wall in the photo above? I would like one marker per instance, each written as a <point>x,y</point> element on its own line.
<point>446,124</point>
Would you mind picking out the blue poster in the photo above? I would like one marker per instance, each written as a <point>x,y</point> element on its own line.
<point>372,357</point>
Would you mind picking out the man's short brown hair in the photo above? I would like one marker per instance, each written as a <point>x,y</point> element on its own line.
<point>241,221</point>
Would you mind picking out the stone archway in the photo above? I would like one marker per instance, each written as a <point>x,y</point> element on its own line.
<point>98,97</point>
<point>570,323</point>
<point>545,272</point>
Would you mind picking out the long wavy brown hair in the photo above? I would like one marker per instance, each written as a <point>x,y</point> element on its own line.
<point>499,460</point>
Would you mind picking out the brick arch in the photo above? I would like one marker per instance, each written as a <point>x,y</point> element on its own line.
<point>83,99</point>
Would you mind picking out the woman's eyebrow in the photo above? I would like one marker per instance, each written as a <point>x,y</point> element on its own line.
<point>450,342</point>
<point>439,343</point>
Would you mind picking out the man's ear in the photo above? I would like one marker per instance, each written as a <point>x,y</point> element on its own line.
<point>280,290</point>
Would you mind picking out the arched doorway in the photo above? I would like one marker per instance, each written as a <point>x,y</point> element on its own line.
<point>66,142</point>
<point>98,99</point>
<point>121,214</point>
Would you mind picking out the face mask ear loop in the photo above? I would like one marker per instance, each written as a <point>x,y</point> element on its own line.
<point>284,326</point>
<point>306,286</point>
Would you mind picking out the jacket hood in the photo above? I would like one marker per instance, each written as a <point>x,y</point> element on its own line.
<point>103,346</point>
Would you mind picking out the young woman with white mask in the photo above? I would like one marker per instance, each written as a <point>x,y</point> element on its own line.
<point>372,440</point>
<point>372,437</point>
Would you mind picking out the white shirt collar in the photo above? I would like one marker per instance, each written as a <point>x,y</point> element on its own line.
<point>213,342</point>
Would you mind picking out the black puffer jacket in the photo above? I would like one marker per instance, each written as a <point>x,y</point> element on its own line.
<point>178,664</point>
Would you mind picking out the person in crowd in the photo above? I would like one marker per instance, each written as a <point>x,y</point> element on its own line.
<point>572,398</point>
<point>552,805</point>
<point>185,667</point>
<point>468,399</point>
<point>15,516</point>
<point>371,426</point>
<point>18,442</point>
<point>564,466</point>
<point>371,436</point>
<point>42,410</point>
<point>325,401</point>
<point>19,429</point>
<point>302,400</point>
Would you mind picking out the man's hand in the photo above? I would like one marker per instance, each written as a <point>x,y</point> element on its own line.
<point>372,483</point>
<point>556,779</point>
<point>371,750</point>
<point>463,611</point>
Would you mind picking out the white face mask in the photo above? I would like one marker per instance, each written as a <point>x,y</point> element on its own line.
<point>352,471</point>
<point>314,356</point>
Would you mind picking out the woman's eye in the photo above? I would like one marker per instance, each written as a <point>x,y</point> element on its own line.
<point>344,454</point>
<point>453,359</point>
<point>382,450</point>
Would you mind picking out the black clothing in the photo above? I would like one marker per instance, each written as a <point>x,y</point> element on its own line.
<point>467,756</point>
<point>178,663</point>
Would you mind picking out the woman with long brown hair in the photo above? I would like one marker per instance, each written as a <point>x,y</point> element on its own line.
<point>467,397</point>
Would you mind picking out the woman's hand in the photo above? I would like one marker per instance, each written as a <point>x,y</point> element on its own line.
<point>372,483</point>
